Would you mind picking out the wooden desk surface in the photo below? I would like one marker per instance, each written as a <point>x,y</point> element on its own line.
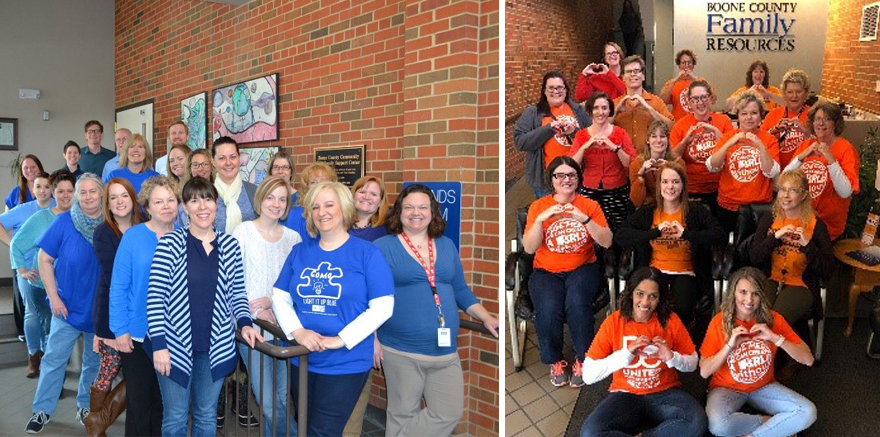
<point>842,247</point>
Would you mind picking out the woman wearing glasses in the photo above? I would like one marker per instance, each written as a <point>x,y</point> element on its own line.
<point>546,130</point>
<point>604,77</point>
<point>828,157</point>
<point>694,138</point>
<point>560,231</point>
<point>674,91</point>
<point>794,244</point>
<point>604,151</point>
<point>281,164</point>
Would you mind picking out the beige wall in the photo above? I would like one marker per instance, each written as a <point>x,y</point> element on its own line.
<point>64,49</point>
<point>726,70</point>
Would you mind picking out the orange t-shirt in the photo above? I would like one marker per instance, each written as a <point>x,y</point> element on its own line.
<point>643,375</point>
<point>742,181</point>
<point>749,366</point>
<point>793,138</point>
<point>830,207</point>
<point>643,192</point>
<point>567,242</point>
<point>769,104</point>
<point>679,96</point>
<point>700,179</point>
<point>558,144</point>
<point>669,254</point>
<point>635,119</point>
<point>787,261</point>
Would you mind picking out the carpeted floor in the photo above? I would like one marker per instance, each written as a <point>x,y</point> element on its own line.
<point>845,387</point>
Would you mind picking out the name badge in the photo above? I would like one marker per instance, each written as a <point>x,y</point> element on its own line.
<point>444,338</point>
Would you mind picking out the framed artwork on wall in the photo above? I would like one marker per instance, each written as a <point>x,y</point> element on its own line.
<point>246,111</point>
<point>194,113</point>
<point>255,163</point>
<point>8,134</point>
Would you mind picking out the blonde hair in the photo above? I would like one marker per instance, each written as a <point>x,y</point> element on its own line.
<point>728,302</point>
<point>798,179</point>
<point>795,76</point>
<point>379,217</point>
<point>148,154</point>
<point>748,97</point>
<point>346,204</point>
<point>153,183</point>
<point>267,186</point>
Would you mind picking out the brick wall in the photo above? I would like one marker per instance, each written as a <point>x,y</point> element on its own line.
<point>851,67</point>
<point>542,36</point>
<point>415,81</point>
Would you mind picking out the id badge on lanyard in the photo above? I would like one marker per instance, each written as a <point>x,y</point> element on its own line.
<point>444,336</point>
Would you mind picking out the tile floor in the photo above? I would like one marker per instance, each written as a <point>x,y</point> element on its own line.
<point>533,406</point>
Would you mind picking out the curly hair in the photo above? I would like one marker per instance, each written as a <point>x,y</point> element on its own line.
<point>664,304</point>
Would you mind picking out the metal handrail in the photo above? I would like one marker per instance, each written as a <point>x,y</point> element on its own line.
<point>475,326</point>
<point>285,353</point>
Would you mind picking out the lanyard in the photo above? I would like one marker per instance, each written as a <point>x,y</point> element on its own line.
<point>429,272</point>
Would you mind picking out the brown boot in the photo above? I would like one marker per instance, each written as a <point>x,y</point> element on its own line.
<point>788,371</point>
<point>33,367</point>
<point>96,422</point>
<point>101,417</point>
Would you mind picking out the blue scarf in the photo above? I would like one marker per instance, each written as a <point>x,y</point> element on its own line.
<point>85,224</point>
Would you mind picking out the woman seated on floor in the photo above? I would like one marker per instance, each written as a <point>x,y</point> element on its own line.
<point>738,355</point>
<point>642,344</point>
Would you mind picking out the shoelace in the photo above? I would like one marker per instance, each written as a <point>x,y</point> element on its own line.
<point>577,368</point>
<point>558,367</point>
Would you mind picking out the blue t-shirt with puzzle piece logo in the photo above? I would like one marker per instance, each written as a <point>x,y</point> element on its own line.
<point>330,289</point>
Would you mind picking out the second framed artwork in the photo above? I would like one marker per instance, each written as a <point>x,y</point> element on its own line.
<point>193,113</point>
<point>246,111</point>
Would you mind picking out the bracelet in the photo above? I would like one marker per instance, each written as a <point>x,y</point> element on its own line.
<point>780,341</point>
<point>728,345</point>
<point>589,219</point>
<point>618,149</point>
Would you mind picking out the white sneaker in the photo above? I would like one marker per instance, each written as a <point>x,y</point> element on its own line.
<point>81,414</point>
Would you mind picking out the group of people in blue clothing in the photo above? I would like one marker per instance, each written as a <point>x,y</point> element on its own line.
<point>156,269</point>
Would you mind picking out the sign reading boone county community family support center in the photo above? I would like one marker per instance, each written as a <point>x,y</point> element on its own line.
<point>348,162</point>
<point>448,195</point>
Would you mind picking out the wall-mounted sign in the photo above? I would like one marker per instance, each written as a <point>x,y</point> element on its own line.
<point>348,162</point>
<point>750,26</point>
<point>448,195</point>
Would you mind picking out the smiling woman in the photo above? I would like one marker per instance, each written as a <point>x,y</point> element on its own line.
<point>134,162</point>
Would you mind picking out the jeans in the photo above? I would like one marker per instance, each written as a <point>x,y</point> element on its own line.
<point>200,394</point>
<point>564,297</point>
<point>263,392</point>
<point>675,412</point>
<point>37,315</point>
<point>331,399</point>
<point>62,337</point>
<point>790,412</point>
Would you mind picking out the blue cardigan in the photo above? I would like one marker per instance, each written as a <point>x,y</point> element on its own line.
<point>168,312</point>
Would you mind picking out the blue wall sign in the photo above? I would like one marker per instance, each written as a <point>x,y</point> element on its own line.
<point>448,194</point>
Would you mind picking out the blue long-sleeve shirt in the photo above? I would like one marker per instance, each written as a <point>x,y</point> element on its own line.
<point>131,276</point>
<point>413,324</point>
<point>16,217</point>
<point>23,248</point>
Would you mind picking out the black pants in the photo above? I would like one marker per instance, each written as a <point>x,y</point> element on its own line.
<point>685,294</point>
<point>144,410</point>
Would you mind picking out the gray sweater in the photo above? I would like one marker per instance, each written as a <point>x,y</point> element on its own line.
<point>529,136</point>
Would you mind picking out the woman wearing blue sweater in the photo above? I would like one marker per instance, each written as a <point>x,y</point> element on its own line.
<point>70,271</point>
<point>195,300</point>
<point>135,162</point>
<point>128,305</point>
<point>418,342</point>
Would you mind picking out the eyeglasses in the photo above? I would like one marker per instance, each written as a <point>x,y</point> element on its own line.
<point>556,89</point>
<point>633,71</point>
<point>703,98</point>
<point>560,176</point>
<point>691,63</point>
<point>280,167</point>
<point>614,53</point>
<point>200,164</point>
<point>790,190</point>
<point>94,131</point>
<point>821,120</point>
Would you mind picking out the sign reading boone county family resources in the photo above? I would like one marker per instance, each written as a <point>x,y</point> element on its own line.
<point>448,195</point>
<point>348,162</point>
<point>737,26</point>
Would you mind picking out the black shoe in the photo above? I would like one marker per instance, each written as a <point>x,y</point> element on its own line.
<point>240,406</point>
<point>248,422</point>
<point>221,408</point>
<point>37,423</point>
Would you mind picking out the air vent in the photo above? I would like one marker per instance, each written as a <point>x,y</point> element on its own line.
<point>868,30</point>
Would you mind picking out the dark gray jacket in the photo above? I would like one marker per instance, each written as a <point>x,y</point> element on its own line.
<point>529,136</point>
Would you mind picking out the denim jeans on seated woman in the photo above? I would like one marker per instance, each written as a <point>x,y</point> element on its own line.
<point>790,412</point>
<point>671,412</point>
<point>199,397</point>
<point>263,392</point>
<point>564,297</point>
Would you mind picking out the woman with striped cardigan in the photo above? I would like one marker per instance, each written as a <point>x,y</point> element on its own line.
<point>195,300</point>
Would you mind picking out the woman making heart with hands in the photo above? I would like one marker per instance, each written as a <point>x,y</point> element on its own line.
<point>642,345</point>
<point>604,77</point>
<point>644,169</point>
<point>560,231</point>
<point>604,151</point>
<point>738,354</point>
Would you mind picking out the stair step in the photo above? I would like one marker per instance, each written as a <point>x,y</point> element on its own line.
<point>12,351</point>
